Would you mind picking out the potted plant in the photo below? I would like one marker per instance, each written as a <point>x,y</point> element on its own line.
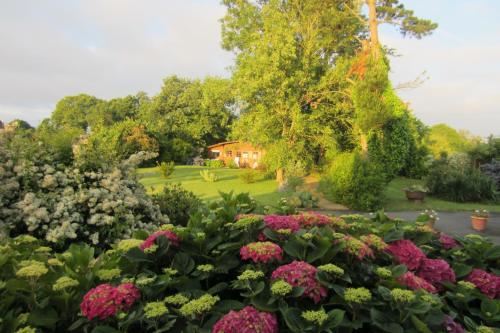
<point>479,219</point>
<point>429,216</point>
<point>416,193</point>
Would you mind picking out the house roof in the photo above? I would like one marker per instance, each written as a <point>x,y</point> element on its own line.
<point>222,144</point>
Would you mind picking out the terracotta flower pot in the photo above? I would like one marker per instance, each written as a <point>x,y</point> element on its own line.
<point>479,223</point>
<point>431,223</point>
<point>415,196</point>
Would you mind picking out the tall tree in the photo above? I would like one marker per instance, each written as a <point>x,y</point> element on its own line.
<point>286,52</point>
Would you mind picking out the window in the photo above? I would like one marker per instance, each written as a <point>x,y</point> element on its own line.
<point>255,155</point>
<point>229,153</point>
<point>245,154</point>
<point>238,154</point>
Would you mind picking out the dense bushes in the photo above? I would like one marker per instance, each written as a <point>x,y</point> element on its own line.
<point>456,180</point>
<point>355,181</point>
<point>177,203</point>
<point>308,273</point>
<point>62,204</point>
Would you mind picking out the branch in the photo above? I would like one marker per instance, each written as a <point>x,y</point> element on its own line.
<point>417,82</point>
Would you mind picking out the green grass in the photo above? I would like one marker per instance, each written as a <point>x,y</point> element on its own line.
<point>396,200</point>
<point>263,190</point>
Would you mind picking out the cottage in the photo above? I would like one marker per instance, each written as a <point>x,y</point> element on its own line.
<point>244,154</point>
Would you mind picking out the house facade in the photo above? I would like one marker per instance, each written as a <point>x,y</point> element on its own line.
<point>244,154</point>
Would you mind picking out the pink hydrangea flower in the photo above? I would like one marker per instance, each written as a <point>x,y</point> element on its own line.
<point>448,242</point>
<point>248,320</point>
<point>488,283</point>
<point>406,253</point>
<point>374,242</point>
<point>452,326</point>
<point>414,282</point>
<point>356,247</point>
<point>172,237</point>
<point>301,274</point>
<point>105,300</point>
<point>277,222</point>
<point>262,252</point>
<point>436,271</point>
<point>311,219</point>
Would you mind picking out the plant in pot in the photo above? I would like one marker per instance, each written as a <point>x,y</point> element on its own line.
<point>479,219</point>
<point>416,193</point>
<point>429,217</point>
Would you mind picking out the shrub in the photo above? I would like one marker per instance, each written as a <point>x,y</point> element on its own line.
<point>292,182</point>
<point>492,170</point>
<point>166,168</point>
<point>62,205</point>
<point>177,203</point>
<point>304,200</point>
<point>208,176</point>
<point>320,274</point>
<point>355,181</point>
<point>232,164</point>
<point>456,180</point>
<point>249,176</point>
<point>214,163</point>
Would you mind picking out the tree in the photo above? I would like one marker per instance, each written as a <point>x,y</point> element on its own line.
<point>76,111</point>
<point>285,74</point>
<point>445,139</point>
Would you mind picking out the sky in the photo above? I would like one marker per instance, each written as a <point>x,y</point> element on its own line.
<point>110,48</point>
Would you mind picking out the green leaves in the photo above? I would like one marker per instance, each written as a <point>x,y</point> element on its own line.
<point>493,253</point>
<point>183,263</point>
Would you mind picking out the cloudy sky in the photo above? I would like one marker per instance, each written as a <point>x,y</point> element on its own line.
<point>109,48</point>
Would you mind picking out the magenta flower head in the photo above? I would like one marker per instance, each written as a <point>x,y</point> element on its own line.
<point>301,274</point>
<point>488,283</point>
<point>356,247</point>
<point>172,237</point>
<point>279,222</point>
<point>262,252</point>
<point>406,253</point>
<point>448,242</point>
<point>436,271</point>
<point>105,300</point>
<point>452,326</point>
<point>248,320</point>
<point>414,282</point>
<point>312,219</point>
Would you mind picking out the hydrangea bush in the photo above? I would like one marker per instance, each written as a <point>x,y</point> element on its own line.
<point>214,275</point>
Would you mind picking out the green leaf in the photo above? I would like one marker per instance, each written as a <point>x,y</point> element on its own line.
<point>105,329</point>
<point>335,317</point>
<point>293,249</point>
<point>489,307</point>
<point>461,270</point>
<point>323,246</point>
<point>217,288</point>
<point>227,305</point>
<point>183,263</point>
<point>380,320</point>
<point>43,317</point>
<point>393,235</point>
<point>420,325</point>
<point>399,270</point>
<point>493,253</point>
<point>293,319</point>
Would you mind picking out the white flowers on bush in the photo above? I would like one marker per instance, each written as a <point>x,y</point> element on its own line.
<point>67,204</point>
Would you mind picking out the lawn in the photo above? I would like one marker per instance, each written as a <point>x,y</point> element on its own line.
<point>263,190</point>
<point>396,200</point>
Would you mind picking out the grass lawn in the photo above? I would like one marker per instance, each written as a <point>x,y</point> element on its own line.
<point>396,200</point>
<point>263,190</point>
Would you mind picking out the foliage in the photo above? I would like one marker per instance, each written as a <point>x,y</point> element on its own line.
<point>485,152</point>
<point>59,141</point>
<point>249,176</point>
<point>303,200</point>
<point>455,179</point>
<point>62,204</point>
<point>332,274</point>
<point>354,181</point>
<point>416,188</point>
<point>444,139</point>
<point>214,163</point>
<point>492,170</point>
<point>208,176</point>
<point>286,77</point>
<point>166,168</point>
<point>232,164</point>
<point>292,182</point>
<point>177,203</point>
<point>481,213</point>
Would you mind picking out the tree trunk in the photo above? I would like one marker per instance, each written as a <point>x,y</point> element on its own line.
<point>373,23</point>
<point>363,142</point>
<point>280,176</point>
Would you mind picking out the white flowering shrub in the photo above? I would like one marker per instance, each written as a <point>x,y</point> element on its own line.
<point>63,204</point>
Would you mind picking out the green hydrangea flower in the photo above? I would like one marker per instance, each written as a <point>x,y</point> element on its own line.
<point>205,268</point>
<point>285,232</point>
<point>431,299</point>
<point>151,249</point>
<point>331,268</point>
<point>27,329</point>
<point>155,309</point>
<point>34,270</point>
<point>128,280</point>
<point>281,288</point>
<point>307,236</point>
<point>67,255</point>
<point>246,222</point>
<point>383,272</point>
<point>201,235</point>
<point>43,249</point>
<point>144,281</point>
<point>318,317</point>
<point>198,306</point>
<point>250,275</point>
<point>474,237</point>
<point>64,282</point>
<point>25,239</point>
<point>484,329</point>
<point>402,295</point>
<point>170,271</point>
<point>466,285</point>
<point>167,227</point>
<point>177,299</point>
<point>357,295</point>
<point>126,245</point>
<point>108,274</point>
<point>23,318</point>
<point>338,235</point>
<point>54,262</point>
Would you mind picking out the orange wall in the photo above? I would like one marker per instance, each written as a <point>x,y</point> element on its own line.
<point>235,148</point>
